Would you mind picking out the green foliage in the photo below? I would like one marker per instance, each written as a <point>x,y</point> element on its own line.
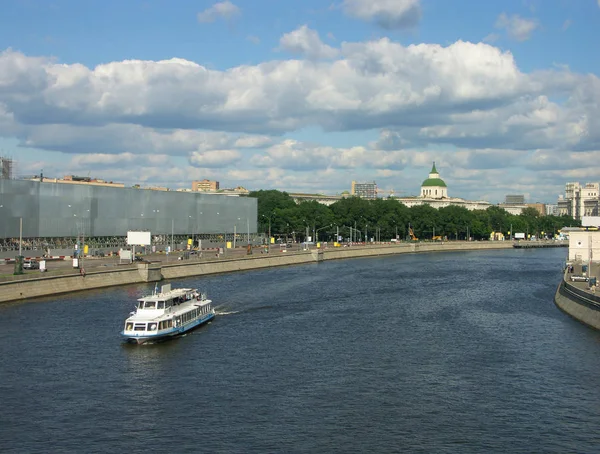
<point>385,217</point>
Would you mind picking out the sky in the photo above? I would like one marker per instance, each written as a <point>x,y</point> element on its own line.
<point>305,95</point>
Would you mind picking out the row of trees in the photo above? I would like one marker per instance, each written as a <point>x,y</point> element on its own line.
<point>384,219</point>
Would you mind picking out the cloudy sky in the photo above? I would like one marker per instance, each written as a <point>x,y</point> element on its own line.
<point>305,95</point>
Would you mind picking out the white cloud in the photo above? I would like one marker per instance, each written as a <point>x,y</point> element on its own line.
<point>304,41</point>
<point>296,155</point>
<point>427,100</point>
<point>376,83</point>
<point>253,142</point>
<point>389,14</point>
<point>214,158</point>
<point>516,26</point>
<point>225,10</point>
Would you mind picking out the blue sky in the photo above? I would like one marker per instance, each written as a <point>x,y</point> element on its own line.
<point>305,96</point>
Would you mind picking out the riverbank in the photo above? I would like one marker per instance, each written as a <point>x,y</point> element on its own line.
<point>577,299</point>
<point>45,284</point>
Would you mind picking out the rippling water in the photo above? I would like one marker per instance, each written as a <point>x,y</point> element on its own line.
<point>453,352</point>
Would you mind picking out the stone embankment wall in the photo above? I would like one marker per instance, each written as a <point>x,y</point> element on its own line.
<point>580,304</point>
<point>156,271</point>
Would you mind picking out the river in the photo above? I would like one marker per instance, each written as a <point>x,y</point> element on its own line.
<point>439,352</point>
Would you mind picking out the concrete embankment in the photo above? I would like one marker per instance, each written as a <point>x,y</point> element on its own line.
<point>44,285</point>
<point>576,300</point>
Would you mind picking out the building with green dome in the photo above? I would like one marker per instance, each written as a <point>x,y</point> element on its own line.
<point>434,187</point>
<point>434,192</point>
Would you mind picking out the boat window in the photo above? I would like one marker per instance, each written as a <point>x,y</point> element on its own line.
<point>152,326</point>
<point>161,305</point>
<point>170,323</point>
<point>150,305</point>
<point>140,327</point>
<point>128,326</point>
<point>140,304</point>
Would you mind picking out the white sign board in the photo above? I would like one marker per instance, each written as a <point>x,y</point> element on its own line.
<point>124,254</point>
<point>590,221</point>
<point>519,236</point>
<point>138,238</point>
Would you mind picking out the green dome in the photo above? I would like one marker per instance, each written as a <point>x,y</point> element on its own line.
<point>434,182</point>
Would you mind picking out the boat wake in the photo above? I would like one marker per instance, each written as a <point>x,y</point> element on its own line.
<point>226,312</point>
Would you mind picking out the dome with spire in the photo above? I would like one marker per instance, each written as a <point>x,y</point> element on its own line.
<point>434,186</point>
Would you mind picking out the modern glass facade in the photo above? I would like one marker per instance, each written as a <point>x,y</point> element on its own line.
<point>66,210</point>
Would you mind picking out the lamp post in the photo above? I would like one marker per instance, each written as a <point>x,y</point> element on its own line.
<point>269,217</point>
<point>235,233</point>
<point>307,227</point>
<point>20,235</point>
<point>317,232</point>
<point>192,229</point>
<point>172,233</point>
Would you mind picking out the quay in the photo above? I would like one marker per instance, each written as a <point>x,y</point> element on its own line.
<point>100,274</point>
<point>539,244</point>
<point>577,298</point>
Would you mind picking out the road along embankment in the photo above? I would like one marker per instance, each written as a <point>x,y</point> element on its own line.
<point>45,285</point>
<point>578,302</point>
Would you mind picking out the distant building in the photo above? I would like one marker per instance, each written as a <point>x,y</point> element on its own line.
<point>579,201</point>
<point>551,210</point>
<point>434,192</point>
<point>205,185</point>
<point>513,204</point>
<point>238,190</point>
<point>74,179</point>
<point>514,199</point>
<point>6,168</point>
<point>364,190</point>
<point>513,208</point>
<point>540,207</point>
<point>322,199</point>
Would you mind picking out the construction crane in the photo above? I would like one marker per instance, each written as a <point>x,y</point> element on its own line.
<point>412,234</point>
<point>390,193</point>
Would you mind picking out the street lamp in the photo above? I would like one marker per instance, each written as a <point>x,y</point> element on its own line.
<point>307,227</point>
<point>269,218</point>
<point>317,232</point>
<point>235,233</point>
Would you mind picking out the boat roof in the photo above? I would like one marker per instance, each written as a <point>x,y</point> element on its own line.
<point>167,293</point>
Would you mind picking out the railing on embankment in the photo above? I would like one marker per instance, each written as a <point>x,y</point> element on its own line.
<point>580,304</point>
<point>45,285</point>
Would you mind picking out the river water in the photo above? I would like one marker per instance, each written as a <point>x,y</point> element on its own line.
<point>441,352</point>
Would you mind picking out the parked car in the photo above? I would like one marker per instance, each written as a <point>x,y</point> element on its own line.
<point>579,278</point>
<point>31,265</point>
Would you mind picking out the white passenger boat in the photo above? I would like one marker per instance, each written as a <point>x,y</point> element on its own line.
<point>167,314</point>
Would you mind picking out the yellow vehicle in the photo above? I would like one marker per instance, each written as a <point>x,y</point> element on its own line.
<point>437,238</point>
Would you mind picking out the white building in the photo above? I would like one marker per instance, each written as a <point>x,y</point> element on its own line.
<point>434,192</point>
<point>584,245</point>
<point>579,200</point>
